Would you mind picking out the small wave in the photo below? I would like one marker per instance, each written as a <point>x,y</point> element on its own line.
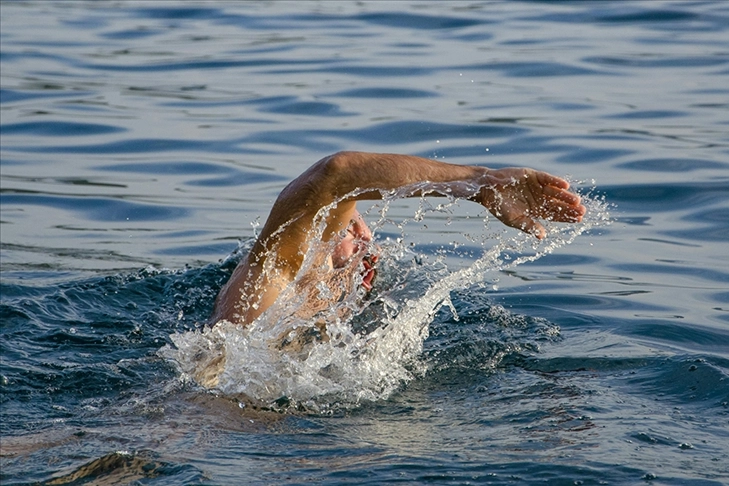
<point>122,467</point>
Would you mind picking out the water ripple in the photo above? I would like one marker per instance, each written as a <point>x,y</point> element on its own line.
<point>666,196</point>
<point>137,146</point>
<point>672,165</point>
<point>99,209</point>
<point>213,175</point>
<point>660,62</point>
<point>531,69</point>
<point>18,95</point>
<point>59,129</point>
<point>385,93</point>
<point>403,20</point>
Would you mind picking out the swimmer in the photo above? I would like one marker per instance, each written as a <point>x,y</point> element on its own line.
<point>518,197</point>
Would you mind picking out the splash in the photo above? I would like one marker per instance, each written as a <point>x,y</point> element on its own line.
<point>366,345</point>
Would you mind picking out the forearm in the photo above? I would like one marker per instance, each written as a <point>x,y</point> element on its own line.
<point>516,196</point>
<point>369,174</point>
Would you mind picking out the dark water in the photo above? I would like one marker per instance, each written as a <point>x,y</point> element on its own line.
<point>142,140</point>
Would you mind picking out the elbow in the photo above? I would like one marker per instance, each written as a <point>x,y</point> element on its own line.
<point>335,171</point>
<point>323,180</point>
<point>339,174</point>
<point>339,163</point>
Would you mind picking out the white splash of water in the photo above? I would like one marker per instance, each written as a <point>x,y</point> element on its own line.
<point>371,344</point>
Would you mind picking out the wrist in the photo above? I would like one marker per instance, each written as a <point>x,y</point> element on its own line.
<point>486,183</point>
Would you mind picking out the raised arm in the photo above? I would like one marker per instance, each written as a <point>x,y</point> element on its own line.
<point>517,196</point>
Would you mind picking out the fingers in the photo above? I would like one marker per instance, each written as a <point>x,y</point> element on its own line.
<point>564,213</point>
<point>538,231</point>
<point>546,179</point>
<point>554,204</point>
<point>562,195</point>
<point>558,213</point>
<point>529,225</point>
<point>563,206</point>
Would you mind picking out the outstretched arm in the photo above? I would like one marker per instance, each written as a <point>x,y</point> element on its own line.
<point>517,196</point>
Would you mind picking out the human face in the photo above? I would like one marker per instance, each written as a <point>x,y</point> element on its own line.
<point>356,242</point>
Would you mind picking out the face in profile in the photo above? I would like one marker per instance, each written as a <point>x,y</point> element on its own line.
<point>355,246</point>
<point>351,259</point>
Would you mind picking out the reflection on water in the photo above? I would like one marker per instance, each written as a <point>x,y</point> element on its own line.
<point>141,143</point>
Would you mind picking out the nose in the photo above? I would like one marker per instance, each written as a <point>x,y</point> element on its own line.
<point>360,230</point>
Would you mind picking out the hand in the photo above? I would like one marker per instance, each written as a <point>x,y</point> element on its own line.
<point>520,196</point>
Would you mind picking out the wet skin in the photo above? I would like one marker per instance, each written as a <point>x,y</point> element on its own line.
<point>519,197</point>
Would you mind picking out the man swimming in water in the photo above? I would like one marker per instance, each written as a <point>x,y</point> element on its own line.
<point>326,194</point>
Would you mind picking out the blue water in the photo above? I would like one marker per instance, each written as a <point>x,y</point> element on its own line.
<point>144,142</point>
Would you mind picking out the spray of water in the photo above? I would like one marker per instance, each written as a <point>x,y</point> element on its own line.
<point>365,346</point>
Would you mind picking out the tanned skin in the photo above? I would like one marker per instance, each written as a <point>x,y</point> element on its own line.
<point>518,197</point>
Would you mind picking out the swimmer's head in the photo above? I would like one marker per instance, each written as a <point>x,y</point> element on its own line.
<point>355,244</point>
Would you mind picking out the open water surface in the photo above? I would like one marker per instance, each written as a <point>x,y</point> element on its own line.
<point>143,142</point>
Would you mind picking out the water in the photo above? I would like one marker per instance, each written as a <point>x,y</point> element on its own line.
<point>142,144</point>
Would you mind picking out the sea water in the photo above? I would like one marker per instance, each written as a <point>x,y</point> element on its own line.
<point>143,143</point>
